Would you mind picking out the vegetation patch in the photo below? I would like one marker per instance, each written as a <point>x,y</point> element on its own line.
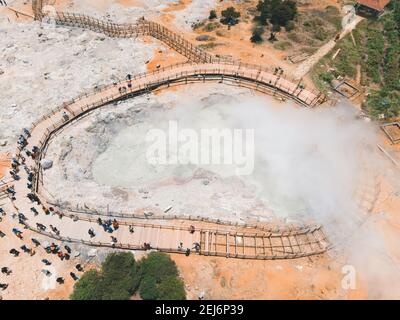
<point>230,16</point>
<point>282,45</point>
<point>285,22</point>
<point>154,277</point>
<point>376,51</point>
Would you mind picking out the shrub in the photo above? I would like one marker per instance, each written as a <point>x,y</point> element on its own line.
<point>276,28</point>
<point>320,34</point>
<point>256,36</point>
<point>290,26</point>
<point>327,76</point>
<point>282,45</point>
<point>211,26</point>
<point>383,102</point>
<point>213,15</point>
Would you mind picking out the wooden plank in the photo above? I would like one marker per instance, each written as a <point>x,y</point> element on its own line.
<point>234,237</point>
<point>270,245</point>
<point>227,246</point>
<point>290,244</point>
<point>263,242</point>
<point>158,237</point>
<point>206,243</point>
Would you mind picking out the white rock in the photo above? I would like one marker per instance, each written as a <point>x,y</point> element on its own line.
<point>46,164</point>
<point>92,253</point>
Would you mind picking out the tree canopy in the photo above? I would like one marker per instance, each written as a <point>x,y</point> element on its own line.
<point>117,280</point>
<point>230,16</point>
<point>156,277</point>
<point>159,278</point>
<point>277,12</point>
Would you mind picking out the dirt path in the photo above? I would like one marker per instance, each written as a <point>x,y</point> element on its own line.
<point>306,66</point>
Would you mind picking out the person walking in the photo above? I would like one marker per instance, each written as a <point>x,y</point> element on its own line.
<point>14,252</point>
<point>3,286</point>
<point>74,276</point>
<point>5,270</point>
<point>115,224</point>
<point>35,212</point>
<point>46,272</point>
<point>46,262</point>
<point>91,233</point>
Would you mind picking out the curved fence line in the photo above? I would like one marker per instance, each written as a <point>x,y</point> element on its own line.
<point>286,229</point>
<point>307,240</point>
<point>276,251</point>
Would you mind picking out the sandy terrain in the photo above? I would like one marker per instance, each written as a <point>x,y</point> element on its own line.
<point>314,278</point>
<point>31,283</point>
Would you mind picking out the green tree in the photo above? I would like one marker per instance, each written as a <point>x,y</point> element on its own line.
<point>282,14</point>
<point>148,288</point>
<point>158,265</point>
<point>121,268</point>
<point>156,277</point>
<point>276,11</point>
<point>160,278</point>
<point>87,286</point>
<point>118,280</point>
<point>171,288</point>
<point>396,14</point>
<point>230,16</point>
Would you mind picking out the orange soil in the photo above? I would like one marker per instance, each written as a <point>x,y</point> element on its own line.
<point>164,58</point>
<point>173,7</point>
<point>235,42</point>
<point>317,277</point>
<point>4,164</point>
